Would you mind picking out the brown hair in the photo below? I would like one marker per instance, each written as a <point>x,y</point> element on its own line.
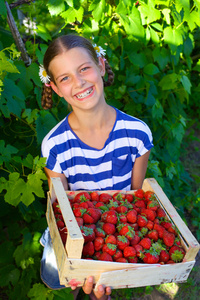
<point>61,44</point>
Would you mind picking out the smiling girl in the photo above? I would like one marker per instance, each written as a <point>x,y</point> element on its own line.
<point>96,146</point>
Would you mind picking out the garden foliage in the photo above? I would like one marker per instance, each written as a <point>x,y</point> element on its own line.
<point>153,48</point>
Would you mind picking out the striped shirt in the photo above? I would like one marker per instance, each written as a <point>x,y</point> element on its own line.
<point>87,168</point>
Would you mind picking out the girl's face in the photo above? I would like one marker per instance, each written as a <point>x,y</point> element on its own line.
<point>78,78</point>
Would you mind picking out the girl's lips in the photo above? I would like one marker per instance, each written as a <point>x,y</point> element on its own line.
<point>84,94</point>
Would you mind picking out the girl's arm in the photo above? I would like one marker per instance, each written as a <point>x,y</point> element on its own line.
<point>50,174</point>
<point>139,171</point>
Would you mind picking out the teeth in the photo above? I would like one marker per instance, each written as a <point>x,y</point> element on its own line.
<point>83,95</point>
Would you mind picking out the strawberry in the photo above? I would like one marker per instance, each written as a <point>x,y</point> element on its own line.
<point>150,225</point>
<point>60,224</point>
<point>100,205</point>
<point>139,193</point>
<point>142,221</point>
<point>122,260</point>
<point>109,248</point>
<point>139,250</point>
<point>153,204</point>
<point>127,231</point>
<point>122,242</point>
<point>105,198</point>
<point>111,239</point>
<point>122,209</point>
<point>135,240</point>
<point>149,214</point>
<point>119,196</point>
<point>168,238</point>
<point>95,213</point>
<point>129,251</point>
<point>145,243</point>
<point>82,196</point>
<point>88,234</point>
<point>97,255</point>
<point>109,217</point>
<point>148,195</point>
<point>151,258</point>
<point>160,230</point>
<point>100,232</point>
<point>140,204</point>
<point>87,218</point>
<point>112,205</point>
<point>161,213</point>
<point>118,254</point>
<point>129,198</point>
<point>131,216</point>
<point>93,226</point>
<point>98,243</point>
<point>79,220</point>
<point>122,218</point>
<point>173,229</point>
<point>83,204</point>
<point>94,196</point>
<point>176,253</point>
<point>166,224</point>
<point>79,211</point>
<point>109,228</point>
<point>59,217</point>
<point>153,235</point>
<point>105,257</point>
<point>133,260</point>
<point>88,249</point>
<point>164,256</point>
<point>57,209</point>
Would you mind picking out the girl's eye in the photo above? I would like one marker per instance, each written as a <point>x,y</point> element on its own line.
<point>64,78</point>
<point>84,69</point>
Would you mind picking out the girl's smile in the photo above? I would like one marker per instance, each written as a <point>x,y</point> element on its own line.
<point>78,78</point>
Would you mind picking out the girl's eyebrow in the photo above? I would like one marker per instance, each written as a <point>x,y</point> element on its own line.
<point>64,74</point>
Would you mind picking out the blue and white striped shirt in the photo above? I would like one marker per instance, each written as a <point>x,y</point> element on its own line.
<point>87,168</point>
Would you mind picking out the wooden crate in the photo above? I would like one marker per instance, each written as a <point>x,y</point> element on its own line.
<point>116,275</point>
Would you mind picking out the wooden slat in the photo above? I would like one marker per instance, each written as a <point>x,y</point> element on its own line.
<point>75,240</point>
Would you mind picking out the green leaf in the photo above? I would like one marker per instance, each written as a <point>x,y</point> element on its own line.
<point>55,7</point>
<point>173,37</point>
<point>40,292</point>
<point>178,131</point>
<point>43,32</point>
<point>151,69</point>
<point>169,82</point>
<point>30,115</point>
<point>166,12</point>
<point>9,274</point>
<point>44,123</point>
<point>157,111</point>
<point>186,83</point>
<point>71,14</point>
<point>154,36</point>
<point>3,10</point>
<point>6,152</point>
<point>148,12</point>
<point>7,65</point>
<point>161,56</point>
<point>97,7</point>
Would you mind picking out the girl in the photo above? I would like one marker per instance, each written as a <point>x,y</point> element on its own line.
<point>96,147</point>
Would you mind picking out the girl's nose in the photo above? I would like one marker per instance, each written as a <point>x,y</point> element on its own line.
<point>79,81</point>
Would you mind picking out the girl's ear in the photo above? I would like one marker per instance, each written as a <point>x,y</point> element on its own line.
<point>102,66</point>
<point>56,90</point>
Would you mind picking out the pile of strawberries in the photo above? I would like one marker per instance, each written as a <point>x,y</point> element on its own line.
<point>123,227</point>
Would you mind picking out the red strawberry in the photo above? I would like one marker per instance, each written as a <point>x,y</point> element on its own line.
<point>149,213</point>
<point>78,212</point>
<point>168,238</point>
<point>83,205</point>
<point>133,260</point>
<point>153,235</point>
<point>105,198</point>
<point>60,224</point>
<point>172,229</point>
<point>150,258</point>
<point>122,242</point>
<point>161,213</point>
<point>145,243</point>
<point>111,239</point>
<point>57,209</point>
<point>82,196</point>
<point>112,205</point>
<point>140,204</point>
<point>148,195</point>
<point>131,216</point>
<point>160,230</point>
<point>139,193</point>
<point>93,226</point>
<point>95,213</point>
<point>98,243</point>
<point>129,251</point>
<point>88,249</point>
<point>176,253</point>
<point>118,254</point>
<point>100,205</point>
<point>59,217</point>
<point>97,255</point>
<point>105,257</point>
<point>119,196</point>
<point>153,204</point>
<point>166,224</point>
<point>142,221</point>
<point>100,232</point>
<point>109,217</point>
<point>109,248</point>
<point>139,250</point>
<point>127,231</point>
<point>129,198</point>
<point>150,225</point>
<point>122,260</point>
<point>87,218</point>
<point>164,256</point>
<point>79,220</point>
<point>135,240</point>
<point>122,209</point>
<point>88,234</point>
<point>94,196</point>
<point>122,218</point>
<point>109,228</point>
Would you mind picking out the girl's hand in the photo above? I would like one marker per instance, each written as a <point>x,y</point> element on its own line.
<point>101,293</point>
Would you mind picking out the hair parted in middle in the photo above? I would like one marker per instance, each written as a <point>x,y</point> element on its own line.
<point>60,45</point>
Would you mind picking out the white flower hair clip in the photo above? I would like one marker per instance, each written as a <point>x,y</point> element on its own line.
<point>43,75</point>
<point>99,50</point>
